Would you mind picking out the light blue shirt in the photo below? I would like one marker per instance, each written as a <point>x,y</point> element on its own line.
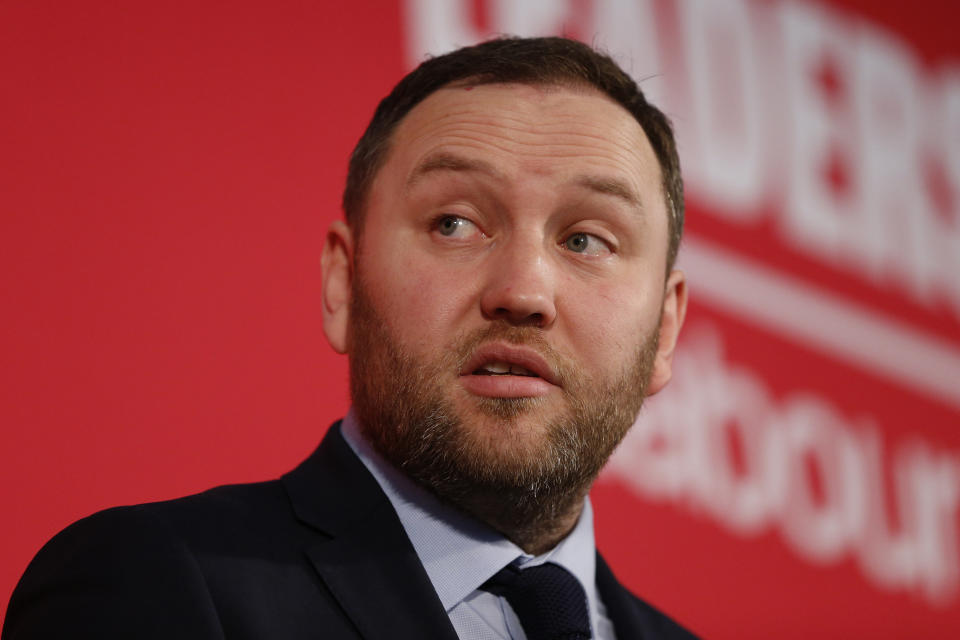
<point>460,554</point>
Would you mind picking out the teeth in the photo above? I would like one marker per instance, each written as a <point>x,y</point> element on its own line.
<point>503,368</point>
<point>497,367</point>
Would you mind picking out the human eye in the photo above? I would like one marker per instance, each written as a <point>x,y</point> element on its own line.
<point>586,244</point>
<point>452,226</point>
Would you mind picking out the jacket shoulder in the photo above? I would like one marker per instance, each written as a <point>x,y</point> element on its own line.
<point>228,562</point>
<point>117,573</point>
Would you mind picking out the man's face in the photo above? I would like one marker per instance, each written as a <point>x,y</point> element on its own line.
<point>508,286</point>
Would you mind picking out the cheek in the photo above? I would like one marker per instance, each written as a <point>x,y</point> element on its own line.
<point>612,321</point>
<point>423,298</point>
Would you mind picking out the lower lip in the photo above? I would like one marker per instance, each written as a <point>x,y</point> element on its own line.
<point>506,386</point>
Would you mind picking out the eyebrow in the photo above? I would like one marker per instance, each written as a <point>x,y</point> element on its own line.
<point>613,187</point>
<point>444,161</point>
<point>450,162</point>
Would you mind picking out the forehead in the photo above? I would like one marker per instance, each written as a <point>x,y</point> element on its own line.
<point>550,131</point>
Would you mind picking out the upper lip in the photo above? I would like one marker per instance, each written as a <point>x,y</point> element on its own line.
<point>511,354</point>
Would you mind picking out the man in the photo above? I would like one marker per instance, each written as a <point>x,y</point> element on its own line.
<point>504,288</point>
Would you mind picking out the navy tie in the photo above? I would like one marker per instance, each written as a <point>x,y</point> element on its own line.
<point>549,601</point>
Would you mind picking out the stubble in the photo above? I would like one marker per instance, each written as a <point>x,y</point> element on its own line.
<point>528,486</point>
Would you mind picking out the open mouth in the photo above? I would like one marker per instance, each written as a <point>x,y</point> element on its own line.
<point>503,369</point>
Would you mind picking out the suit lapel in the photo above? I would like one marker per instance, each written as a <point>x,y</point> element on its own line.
<point>618,602</point>
<point>364,556</point>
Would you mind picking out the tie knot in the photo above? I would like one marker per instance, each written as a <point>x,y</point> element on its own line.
<point>548,600</point>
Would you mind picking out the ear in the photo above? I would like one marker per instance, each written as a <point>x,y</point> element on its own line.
<point>671,320</point>
<point>337,265</point>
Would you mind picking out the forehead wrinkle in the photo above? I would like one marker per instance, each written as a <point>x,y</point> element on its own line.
<point>520,149</point>
<point>522,125</point>
<point>520,133</point>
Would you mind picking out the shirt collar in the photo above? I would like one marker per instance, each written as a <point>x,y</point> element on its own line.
<point>458,552</point>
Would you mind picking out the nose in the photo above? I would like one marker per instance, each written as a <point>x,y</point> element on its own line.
<point>520,286</point>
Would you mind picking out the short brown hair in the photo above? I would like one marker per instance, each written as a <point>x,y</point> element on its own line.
<point>533,61</point>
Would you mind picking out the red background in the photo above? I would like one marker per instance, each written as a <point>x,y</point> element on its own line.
<point>167,172</point>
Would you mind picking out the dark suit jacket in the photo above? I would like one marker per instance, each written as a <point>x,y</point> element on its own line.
<point>319,553</point>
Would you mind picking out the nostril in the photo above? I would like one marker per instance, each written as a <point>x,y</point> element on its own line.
<point>512,316</point>
<point>517,307</point>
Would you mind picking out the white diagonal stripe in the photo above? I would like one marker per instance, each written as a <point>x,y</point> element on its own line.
<point>820,319</point>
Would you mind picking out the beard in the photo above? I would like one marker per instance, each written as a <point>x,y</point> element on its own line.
<point>526,481</point>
